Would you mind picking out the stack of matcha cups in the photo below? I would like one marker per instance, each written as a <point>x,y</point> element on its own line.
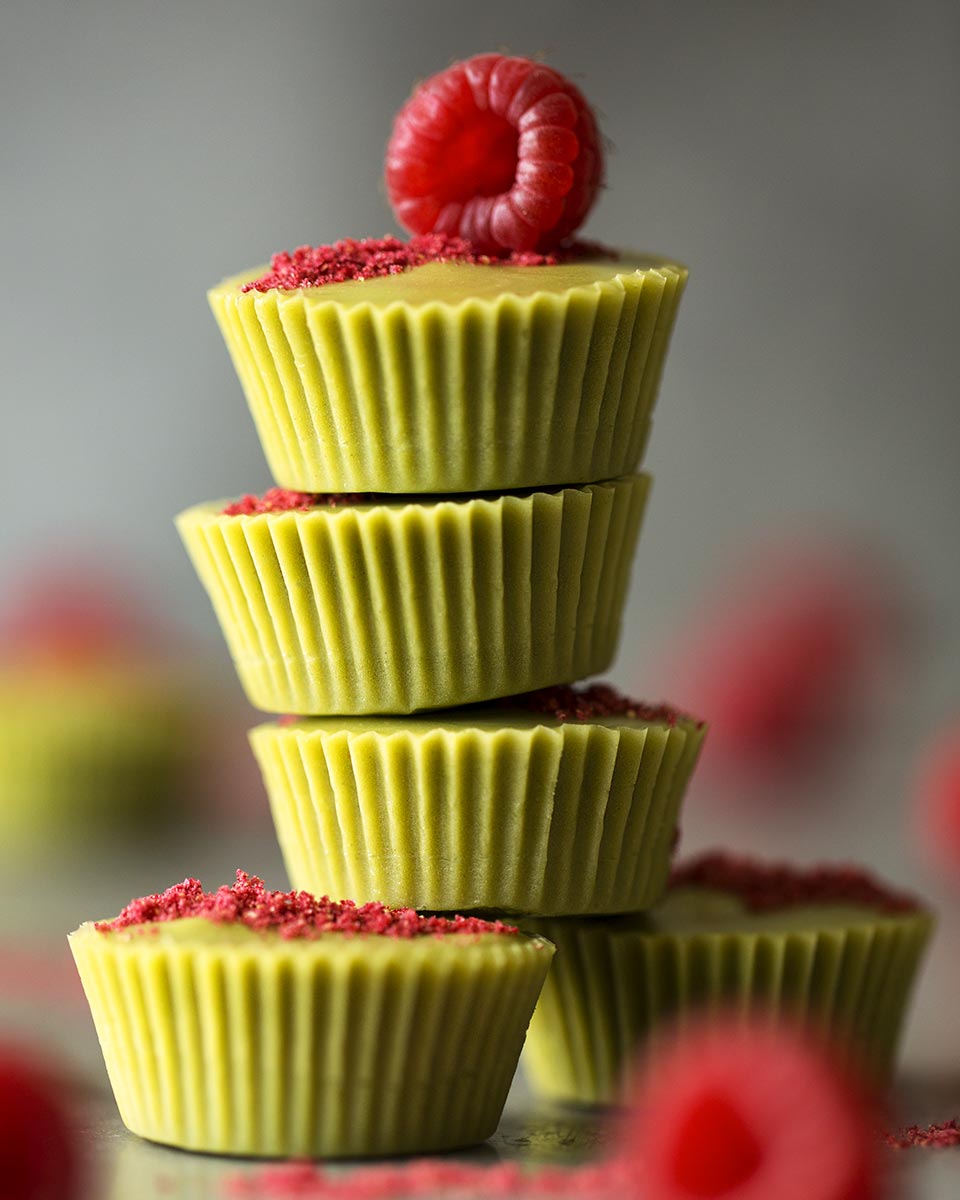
<point>456,450</point>
<point>469,433</point>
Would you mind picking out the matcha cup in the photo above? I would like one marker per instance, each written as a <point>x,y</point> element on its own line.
<point>392,607</point>
<point>232,1041</point>
<point>844,970</point>
<point>454,377</point>
<point>490,808</point>
<point>91,756</point>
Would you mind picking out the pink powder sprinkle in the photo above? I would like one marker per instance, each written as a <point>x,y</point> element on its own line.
<point>283,500</point>
<point>767,886</point>
<point>367,258</point>
<point>941,1136</point>
<point>612,1179</point>
<point>565,703</point>
<point>292,914</point>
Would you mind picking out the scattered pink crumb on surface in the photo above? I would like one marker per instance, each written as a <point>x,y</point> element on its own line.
<point>569,703</point>
<point>370,258</point>
<point>293,914</point>
<point>940,1136</point>
<point>613,1179</point>
<point>767,886</point>
<point>277,500</point>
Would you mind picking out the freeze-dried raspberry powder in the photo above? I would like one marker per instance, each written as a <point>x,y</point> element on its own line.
<point>278,500</point>
<point>292,914</point>
<point>368,258</point>
<point>566,703</point>
<point>614,1179</point>
<point>764,887</point>
<point>929,1137</point>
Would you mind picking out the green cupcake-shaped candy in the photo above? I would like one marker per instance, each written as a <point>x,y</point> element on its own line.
<point>265,1023</point>
<point>827,946</point>
<point>455,375</point>
<point>387,607</point>
<point>561,801</point>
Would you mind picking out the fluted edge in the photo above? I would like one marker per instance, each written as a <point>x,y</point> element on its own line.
<point>613,989</point>
<point>484,395</point>
<point>395,607</point>
<point>562,819</point>
<point>297,1051</point>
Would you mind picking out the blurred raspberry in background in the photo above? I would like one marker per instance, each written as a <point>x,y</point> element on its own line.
<point>936,813</point>
<point>39,1151</point>
<point>738,1111</point>
<point>788,657</point>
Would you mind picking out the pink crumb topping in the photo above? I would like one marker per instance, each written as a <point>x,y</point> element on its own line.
<point>944,1134</point>
<point>767,886</point>
<point>612,1179</point>
<point>292,914</point>
<point>565,703</point>
<point>367,258</point>
<point>277,500</point>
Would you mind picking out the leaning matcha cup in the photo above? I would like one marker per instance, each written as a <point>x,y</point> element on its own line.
<point>492,808</point>
<point>844,969</point>
<point>454,377</point>
<point>393,607</point>
<point>235,1041</point>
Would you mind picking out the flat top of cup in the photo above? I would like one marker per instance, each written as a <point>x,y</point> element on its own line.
<point>453,283</point>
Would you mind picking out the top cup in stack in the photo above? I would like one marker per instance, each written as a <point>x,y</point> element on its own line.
<point>454,425</point>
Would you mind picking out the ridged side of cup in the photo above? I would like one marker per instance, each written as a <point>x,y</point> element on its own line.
<point>296,1051</point>
<point>612,989</point>
<point>393,608</point>
<point>568,818</point>
<point>484,395</point>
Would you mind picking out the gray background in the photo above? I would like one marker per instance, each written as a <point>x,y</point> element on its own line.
<point>800,157</point>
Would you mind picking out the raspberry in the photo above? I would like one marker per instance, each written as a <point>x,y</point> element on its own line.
<point>501,151</point>
<point>938,801</point>
<point>750,1113</point>
<point>38,1159</point>
<point>786,658</point>
<point>66,615</point>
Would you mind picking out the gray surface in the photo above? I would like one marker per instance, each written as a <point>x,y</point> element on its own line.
<point>533,1136</point>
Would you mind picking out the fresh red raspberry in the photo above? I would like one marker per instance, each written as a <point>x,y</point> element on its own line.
<point>38,1157</point>
<point>735,1112</point>
<point>501,151</point>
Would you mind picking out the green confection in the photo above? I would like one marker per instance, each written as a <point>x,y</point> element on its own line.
<point>846,970</point>
<point>393,607</point>
<point>487,808</point>
<point>454,377</point>
<point>88,755</point>
<point>230,1040</point>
